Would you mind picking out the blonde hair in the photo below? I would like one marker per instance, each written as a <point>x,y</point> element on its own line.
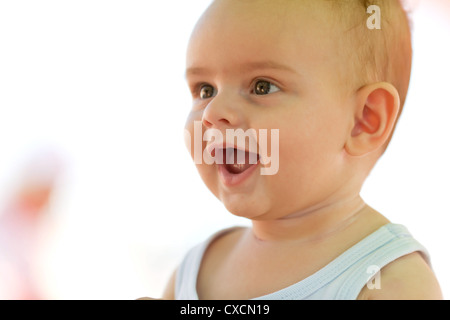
<point>375,55</point>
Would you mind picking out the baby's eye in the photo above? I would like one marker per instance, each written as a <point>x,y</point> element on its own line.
<point>263,87</point>
<point>207,91</point>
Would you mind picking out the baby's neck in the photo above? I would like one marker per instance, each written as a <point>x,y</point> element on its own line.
<point>312,224</point>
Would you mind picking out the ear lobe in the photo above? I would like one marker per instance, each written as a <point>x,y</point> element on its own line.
<point>376,110</point>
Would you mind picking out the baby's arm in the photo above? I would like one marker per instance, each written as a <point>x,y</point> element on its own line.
<point>407,278</point>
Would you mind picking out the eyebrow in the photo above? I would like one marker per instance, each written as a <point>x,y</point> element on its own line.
<point>246,67</point>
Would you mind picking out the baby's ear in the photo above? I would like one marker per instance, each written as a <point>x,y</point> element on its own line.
<point>375,113</point>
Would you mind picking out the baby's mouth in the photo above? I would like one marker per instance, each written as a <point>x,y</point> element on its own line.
<point>236,161</point>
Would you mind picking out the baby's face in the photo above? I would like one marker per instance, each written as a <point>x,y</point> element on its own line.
<point>263,65</point>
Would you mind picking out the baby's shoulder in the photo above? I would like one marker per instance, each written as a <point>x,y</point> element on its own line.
<point>406,278</point>
<point>215,248</point>
<point>223,242</point>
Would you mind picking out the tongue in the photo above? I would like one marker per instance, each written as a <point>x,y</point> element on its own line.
<point>233,158</point>
<point>237,168</point>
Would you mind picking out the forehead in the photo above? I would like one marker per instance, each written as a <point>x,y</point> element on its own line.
<point>233,32</point>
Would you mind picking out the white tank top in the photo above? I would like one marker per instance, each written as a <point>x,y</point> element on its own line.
<point>341,279</point>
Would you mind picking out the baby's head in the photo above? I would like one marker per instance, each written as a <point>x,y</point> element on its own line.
<point>314,72</point>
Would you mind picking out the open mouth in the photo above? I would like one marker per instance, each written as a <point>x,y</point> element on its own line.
<point>235,161</point>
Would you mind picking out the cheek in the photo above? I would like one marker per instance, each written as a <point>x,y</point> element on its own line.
<point>209,177</point>
<point>308,147</point>
<point>193,142</point>
<point>320,130</point>
<point>190,140</point>
<point>206,173</point>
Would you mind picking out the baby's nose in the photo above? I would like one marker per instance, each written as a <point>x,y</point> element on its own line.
<point>222,112</point>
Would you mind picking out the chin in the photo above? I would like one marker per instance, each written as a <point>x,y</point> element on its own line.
<point>244,207</point>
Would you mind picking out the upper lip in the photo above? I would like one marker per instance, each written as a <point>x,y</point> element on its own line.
<point>224,145</point>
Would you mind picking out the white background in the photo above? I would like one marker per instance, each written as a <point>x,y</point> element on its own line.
<point>101,83</point>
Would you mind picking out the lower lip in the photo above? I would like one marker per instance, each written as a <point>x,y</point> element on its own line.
<point>233,180</point>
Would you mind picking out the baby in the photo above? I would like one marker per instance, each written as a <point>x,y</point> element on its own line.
<point>330,80</point>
